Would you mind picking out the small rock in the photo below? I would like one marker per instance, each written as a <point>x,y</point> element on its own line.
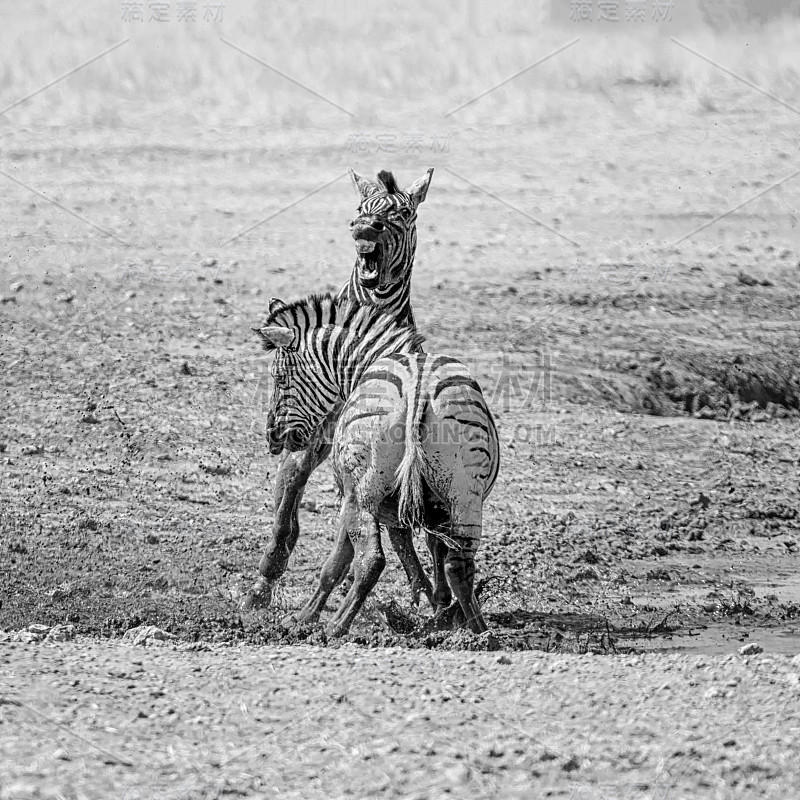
<point>750,649</point>
<point>26,637</point>
<point>216,469</point>
<point>39,629</point>
<point>504,659</point>
<point>186,369</point>
<point>152,538</point>
<point>17,287</point>
<point>145,635</point>
<point>66,298</point>
<point>571,764</point>
<point>90,419</point>
<point>208,263</point>
<point>746,280</point>
<point>459,774</point>
<point>309,505</point>
<point>7,298</point>
<point>61,633</point>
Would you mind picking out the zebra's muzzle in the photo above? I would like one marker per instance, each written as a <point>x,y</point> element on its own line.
<point>276,443</point>
<point>295,441</point>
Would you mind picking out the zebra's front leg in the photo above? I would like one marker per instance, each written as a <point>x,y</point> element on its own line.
<point>290,483</point>
<point>403,544</point>
<point>334,569</point>
<point>370,561</point>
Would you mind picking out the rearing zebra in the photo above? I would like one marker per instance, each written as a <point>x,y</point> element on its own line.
<point>415,444</point>
<point>385,238</point>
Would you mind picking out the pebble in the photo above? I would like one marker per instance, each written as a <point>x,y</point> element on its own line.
<point>751,649</point>
<point>39,629</point>
<point>60,633</point>
<point>146,635</point>
<point>461,773</point>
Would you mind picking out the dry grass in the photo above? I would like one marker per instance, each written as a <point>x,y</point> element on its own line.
<point>393,66</point>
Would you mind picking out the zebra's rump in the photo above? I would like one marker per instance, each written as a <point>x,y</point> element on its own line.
<point>422,420</point>
<point>435,515</point>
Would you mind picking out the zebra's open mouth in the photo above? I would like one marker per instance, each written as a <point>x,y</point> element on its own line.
<point>369,263</point>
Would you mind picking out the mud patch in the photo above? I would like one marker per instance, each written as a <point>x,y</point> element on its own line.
<point>743,387</point>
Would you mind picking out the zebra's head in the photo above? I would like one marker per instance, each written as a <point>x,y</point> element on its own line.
<point>302,395</point>
<point>321,347</point>
<point>385,230</point>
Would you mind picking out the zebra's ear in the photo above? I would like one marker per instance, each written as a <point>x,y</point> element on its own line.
<point>276,336</point>
<point>419,189</point>
<point>275,304</point>
<point>365,187</point>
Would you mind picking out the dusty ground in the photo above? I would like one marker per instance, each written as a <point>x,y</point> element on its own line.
<point>112,720</point>
<point>647,395</point>
<point>644,373</point>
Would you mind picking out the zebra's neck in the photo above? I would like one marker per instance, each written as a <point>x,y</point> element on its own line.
<point>351,357</point>
<point>396,300</point>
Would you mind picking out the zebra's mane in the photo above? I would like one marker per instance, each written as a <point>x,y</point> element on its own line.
<point>390,184</point>
<point>310,314</point>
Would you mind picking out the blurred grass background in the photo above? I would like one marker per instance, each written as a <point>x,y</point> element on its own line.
<point>382,62</point>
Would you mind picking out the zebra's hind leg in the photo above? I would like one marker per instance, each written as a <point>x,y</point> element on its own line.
<point>370,561</point>
<point>459,567</point>
<point>441,589</point>
<point>334,569</point>
<point>403,544</point>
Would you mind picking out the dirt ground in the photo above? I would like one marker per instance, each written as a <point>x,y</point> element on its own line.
<point>647,401</point>
<point>106,719</point>
<point>639,349</point>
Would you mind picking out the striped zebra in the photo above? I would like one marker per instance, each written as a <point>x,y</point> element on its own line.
<point>415,443</point>
<point>385,236</point>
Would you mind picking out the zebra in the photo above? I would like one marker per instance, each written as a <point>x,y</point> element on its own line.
<point>415,444</point>
<point>385,236</point>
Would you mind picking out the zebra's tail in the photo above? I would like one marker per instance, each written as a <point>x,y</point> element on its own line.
<point>411,471</point>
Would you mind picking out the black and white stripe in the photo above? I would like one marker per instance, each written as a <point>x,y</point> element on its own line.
<point>415,444</point>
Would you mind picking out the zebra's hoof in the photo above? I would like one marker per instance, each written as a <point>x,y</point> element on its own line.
<point>449,618</point>
<point>334,631</point>
<point>259,596</point>
<point>289,621</point>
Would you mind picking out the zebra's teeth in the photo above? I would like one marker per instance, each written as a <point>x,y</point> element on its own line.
<point>364,246</point>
